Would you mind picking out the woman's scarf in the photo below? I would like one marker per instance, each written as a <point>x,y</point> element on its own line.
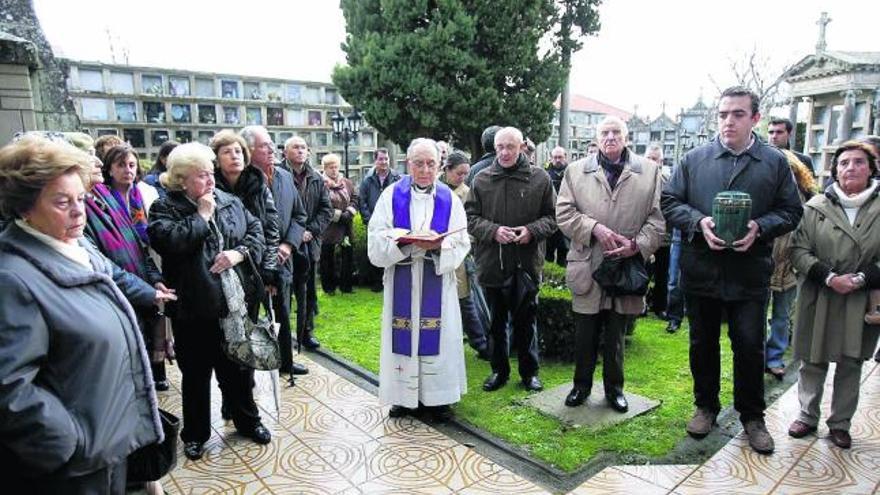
<point>340,198</point>
<point>115,233</point>
<point>135,210</point>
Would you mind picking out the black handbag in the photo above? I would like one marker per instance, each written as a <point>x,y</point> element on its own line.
<point>623,276</point>
<point>152,462</point>
<point>519,288</point>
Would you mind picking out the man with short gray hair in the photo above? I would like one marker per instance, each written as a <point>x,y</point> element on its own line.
<point>418,236</point>
<point>511,211</point>
<point>557,244</point>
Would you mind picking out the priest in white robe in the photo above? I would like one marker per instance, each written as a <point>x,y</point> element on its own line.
<point>418,235</point>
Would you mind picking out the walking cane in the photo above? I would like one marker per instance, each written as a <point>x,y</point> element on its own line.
<point>273,374</point>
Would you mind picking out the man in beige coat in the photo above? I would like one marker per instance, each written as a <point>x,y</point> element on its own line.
<point>609,206</point>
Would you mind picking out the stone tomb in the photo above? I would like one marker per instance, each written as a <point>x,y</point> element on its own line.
<point>592,413</point>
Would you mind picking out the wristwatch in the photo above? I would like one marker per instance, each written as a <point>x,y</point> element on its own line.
<point>241,249</point>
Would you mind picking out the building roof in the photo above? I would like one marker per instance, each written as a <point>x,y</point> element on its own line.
<point>581,103</point>
<point>830,63</point>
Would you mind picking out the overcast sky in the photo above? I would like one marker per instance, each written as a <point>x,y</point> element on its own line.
<point>648,52</point>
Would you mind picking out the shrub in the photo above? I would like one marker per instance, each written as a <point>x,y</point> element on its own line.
<point>555,321</point>
<point>359,248</point>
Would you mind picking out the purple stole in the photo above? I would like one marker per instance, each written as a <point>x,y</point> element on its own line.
<point>432,284</point>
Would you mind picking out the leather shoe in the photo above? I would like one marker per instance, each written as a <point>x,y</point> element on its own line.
<point>399,411</point>
<point>494,382</point>
<point>193,450</point>
<point>799,429</point>
<point>260,434</point>
<point>298,369</point>
<point>441,414</point>
<point>162,385</point>
<point>778,372</point>
<point>618,403</point>
<point>673,326</point>
<point>311,343</point>
<point>533,383</point>
<point>576,397</point>
<point>840,438</point>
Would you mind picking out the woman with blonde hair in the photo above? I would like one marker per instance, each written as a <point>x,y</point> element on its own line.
<point>337,236</point>
<point>201,232</point>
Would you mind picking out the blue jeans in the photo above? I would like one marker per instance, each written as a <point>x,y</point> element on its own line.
<point>780,325</point>
<point>674,296</point>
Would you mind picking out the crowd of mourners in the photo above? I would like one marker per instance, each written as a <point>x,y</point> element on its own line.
<point>109,271</point>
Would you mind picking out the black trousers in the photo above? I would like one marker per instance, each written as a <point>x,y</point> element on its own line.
<point>557,248</point>
<point>745,320</point>
<point>281,306</point>
<point>524,330</point>
<point>471,324</point>
<point>304,292</point>
<point>336,272</point>
<point>589,329</point>
<point>198,347</point>
<point>660,274</point>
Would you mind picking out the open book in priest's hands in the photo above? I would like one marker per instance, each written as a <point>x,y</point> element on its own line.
<point>404,237</point>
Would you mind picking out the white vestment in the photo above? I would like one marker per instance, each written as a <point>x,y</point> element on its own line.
<point>431,380</point>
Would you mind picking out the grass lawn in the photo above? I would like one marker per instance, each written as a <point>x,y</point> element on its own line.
<point>656,367</point>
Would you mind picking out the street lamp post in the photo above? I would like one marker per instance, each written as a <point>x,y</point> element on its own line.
<point>346,128</point>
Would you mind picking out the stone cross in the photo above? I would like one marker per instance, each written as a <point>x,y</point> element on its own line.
<point>822,22</point>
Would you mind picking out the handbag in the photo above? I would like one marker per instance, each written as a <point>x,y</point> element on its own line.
<point>251,342</point>
<point>519,288</point>
<point>623,276</point>
<point>152,462</point>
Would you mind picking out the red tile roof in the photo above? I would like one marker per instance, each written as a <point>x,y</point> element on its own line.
<point>581,103</point>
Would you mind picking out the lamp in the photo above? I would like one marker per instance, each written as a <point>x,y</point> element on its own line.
<point>346,128</point>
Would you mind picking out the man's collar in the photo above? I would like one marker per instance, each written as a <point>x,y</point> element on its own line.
<point>752,141</point>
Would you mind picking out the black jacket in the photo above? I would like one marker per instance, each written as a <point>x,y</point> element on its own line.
<point>181,237</point>
<point>556,175</point>
<point>478,167</point>
<point>254,193</point>
<point>761,171</point>
<point>370,190</point>
<point>316,199</point>
<point>519,196</point>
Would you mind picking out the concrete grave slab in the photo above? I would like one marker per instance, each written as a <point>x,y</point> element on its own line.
<point>594,412</point>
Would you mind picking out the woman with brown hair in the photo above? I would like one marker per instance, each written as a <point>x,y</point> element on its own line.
<point>835,251</point>
<point>338,235</point>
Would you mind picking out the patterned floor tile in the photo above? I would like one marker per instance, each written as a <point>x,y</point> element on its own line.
<point>505,482</point>
<point>409,479</point>
<point>827,469</point>
<point>663,475</point>
<point>612,480</point>
<point>458,467</point>
<point>294,464</point>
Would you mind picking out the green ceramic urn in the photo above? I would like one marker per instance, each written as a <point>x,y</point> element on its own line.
<point>731,211</point>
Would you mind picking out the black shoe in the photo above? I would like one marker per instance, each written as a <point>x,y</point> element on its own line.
<point>673,326</point>
<point>311,343</point>
<point>399,411</point>
<point>576,397</point>
<point>494,382</point>
<point>533,383</point>
<point>162,385</point>
<point>298,369</point>
<point>618,403</point>
<point>193,450</point>
<point>224,413</point>
<point>441,414</point>
<point>260,434</point>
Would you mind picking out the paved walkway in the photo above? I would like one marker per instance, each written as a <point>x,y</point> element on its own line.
<point>330,436</point>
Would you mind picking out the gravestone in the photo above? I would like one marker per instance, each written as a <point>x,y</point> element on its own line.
<point>595,412</point>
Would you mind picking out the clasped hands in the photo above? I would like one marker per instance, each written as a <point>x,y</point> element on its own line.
<point>717,244</point>
<point>513,235</point>
<point>613,244</point>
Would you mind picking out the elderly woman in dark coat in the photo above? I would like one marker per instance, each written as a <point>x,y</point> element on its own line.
<point>76,393</point>
<point>344,199</point>
<point>835,251</point>
<point>182,230</point>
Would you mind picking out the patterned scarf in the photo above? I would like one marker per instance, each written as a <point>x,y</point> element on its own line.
<point>115,233</point>
<point>135,210</point>
<point>339,196</point>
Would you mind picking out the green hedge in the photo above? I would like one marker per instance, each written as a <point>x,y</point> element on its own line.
<point>555,322</point>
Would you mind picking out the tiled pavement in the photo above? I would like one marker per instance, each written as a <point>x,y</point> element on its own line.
<point>330,436</point>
